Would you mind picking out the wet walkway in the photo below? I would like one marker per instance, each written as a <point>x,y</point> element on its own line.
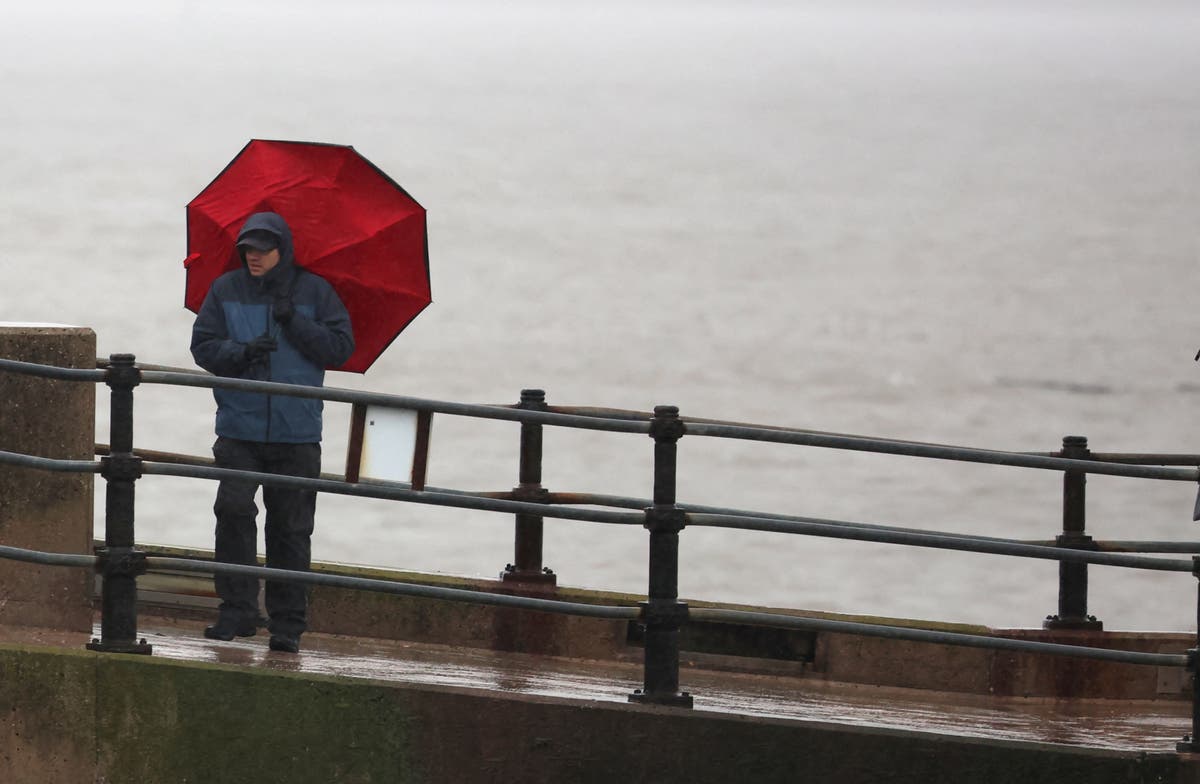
<point>1109,724</point>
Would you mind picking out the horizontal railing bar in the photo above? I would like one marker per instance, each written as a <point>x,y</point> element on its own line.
<point>1123,546</point>
<point>402,589</point>
<point>104,362</point>
<point>838,530</point>
<point>929,635</point>
<point>588,499</point>
<point>598,412</point>
<point>565,498</point>
<point>625,420</point>
<point>620,413</point>
<point>597,499</point>
<point>695,512</point>
<point>50,463</point>
<point>176,458</point>
<point>372,490</point>
<point>48,559</point>
<point>1135,458</point>
<point>592,412</point>
<point>641,503</point>
<point>964,454</point>
<point>604,611</point>
<point>338,395</point>
<point>1128,546</point>
<point>696,425</point>
<point>1132,546</point>
<point>497,502</point>
<point>1130,458</point>
<point>602,413</point>
<point>52,371</point>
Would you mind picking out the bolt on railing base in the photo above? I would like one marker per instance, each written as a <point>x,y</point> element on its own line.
<point>544,578</point>
<point>140,647</point>
<point>679,699</point>
<point>1089,624</point>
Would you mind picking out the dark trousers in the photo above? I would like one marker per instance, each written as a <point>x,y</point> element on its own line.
<point>288,529</point>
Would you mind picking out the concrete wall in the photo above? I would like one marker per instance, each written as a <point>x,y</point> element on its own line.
<point>70,715</point>
<point>40,510</point>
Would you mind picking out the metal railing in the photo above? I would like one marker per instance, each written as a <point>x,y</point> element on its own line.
<point>662,615</point>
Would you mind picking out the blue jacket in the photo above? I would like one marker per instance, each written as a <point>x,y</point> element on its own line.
<point>238,309</point>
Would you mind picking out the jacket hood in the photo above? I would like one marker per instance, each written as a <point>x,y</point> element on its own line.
<point>275,224</point>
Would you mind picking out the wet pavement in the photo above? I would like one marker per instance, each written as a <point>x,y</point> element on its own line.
<point>1109,724</point>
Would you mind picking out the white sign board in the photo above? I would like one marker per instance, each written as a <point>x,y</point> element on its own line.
<point>393,447</point>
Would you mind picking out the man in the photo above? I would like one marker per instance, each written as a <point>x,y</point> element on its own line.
<point>268,321</point>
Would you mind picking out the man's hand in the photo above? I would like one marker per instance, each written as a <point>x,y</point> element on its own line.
<point>283,310</point>
<point>258,349</point>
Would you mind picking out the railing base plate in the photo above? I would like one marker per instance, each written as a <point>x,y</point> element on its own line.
<point>1077,624</point>
<point>139,647</point>
<point>677,700</point>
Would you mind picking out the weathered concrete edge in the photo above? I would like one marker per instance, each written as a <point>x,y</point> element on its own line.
<point>77,715</point>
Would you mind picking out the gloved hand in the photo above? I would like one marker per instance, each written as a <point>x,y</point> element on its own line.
<point>257,350</point>
<point>283,310</point>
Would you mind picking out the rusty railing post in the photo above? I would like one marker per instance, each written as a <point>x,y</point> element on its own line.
<point>663,614</point>
<point>1191,743</point>
<point>1073,577</point>
<point>120,563</point>
<point>527,539</point>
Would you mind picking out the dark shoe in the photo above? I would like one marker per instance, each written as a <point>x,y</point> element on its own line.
<point>227,629</point>
<point>285,643</point>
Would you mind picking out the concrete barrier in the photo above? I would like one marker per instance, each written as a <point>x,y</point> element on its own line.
<point>80,716</point>
<point>40,510</point>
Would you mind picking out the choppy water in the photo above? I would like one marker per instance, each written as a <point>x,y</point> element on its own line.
<point>970,223</point>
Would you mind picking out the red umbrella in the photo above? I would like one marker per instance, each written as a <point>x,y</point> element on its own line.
<point>352,225</point>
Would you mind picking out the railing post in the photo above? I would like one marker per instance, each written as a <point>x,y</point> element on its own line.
<point>664,614</point>
<point>527,539</point>
<point>1073,577</point>
<point>120,563</point>
<point>1191,743</point>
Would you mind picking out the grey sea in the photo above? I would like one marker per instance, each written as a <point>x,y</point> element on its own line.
<point>969,223</point>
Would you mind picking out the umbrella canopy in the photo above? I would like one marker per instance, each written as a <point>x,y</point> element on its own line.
<point>351,224</point>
